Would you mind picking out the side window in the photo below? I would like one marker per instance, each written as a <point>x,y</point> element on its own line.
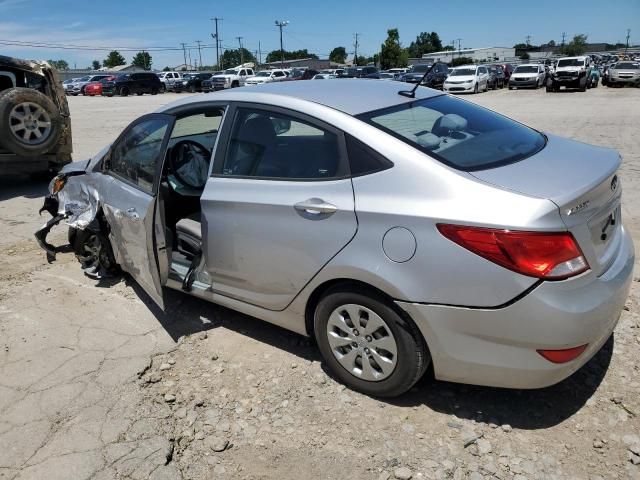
<point>363,159</point>
<point>136,154</point>
<point>273,145</point>
<point>278,74</point>
<point>243,73</point>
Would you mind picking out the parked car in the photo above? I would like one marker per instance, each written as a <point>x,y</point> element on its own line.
<point>168,79</point>
<point>301,74</point>
<point>77,87</point>
<point>528,75</point>
<point>423,232</point>
<point>357,72</point>
<point>93,89</point>
<point>267,76</point>
<point>624,73</point>
<point>324,76</point>
<point>508,69</point>
<point>35,124</point>
<point>496,76</point>
<point>130,83</point>
<point>191,82</point>
<point>468,78</point>
<point>435,79</point>
<point>232,77</point>
<point>384,76</point>
<point>570,72</point>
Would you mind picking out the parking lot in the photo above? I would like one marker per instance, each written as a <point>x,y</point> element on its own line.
<point>96,382</point>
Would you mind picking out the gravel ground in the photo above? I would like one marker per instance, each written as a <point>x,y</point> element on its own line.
<point>97,383</point>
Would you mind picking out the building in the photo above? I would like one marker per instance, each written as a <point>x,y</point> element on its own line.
<point>479,55</point>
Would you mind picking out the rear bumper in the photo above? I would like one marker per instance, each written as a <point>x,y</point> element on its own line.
<point>523,83</point>
<point>497,347</point>
<point>11,164</point>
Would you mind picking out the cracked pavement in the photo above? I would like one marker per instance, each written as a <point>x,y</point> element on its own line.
<point>95,384</point>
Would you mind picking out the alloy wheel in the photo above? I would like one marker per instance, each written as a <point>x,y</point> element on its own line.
<point>30,123</point>
<point>362,342</point>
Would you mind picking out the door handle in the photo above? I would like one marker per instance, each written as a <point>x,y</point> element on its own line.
<point>316,206</point>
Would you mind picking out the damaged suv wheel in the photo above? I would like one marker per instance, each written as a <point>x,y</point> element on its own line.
<point>30,123</point>
<point>94,253</point>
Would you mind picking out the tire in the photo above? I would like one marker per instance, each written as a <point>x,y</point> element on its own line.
<point>406,364</point>
<point>192,89</point>
<point>475,89</point>
<point>139,93</point>
<point>163,88</point>
<point>582,84</point>
<point>235,84</point>
<point>44,118</point>
<point>93,251</point>
<point>510,87</point>
<point>124,91</point>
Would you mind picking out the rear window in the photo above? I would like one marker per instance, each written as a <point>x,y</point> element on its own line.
<point>570,62</point>
<point>526,69</point>
<point>627,66</point>
<point>458,133</point>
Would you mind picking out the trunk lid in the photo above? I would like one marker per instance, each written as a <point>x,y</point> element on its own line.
<point>581,180</point>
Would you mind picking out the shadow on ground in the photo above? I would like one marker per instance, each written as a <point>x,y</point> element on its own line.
<point>23,186</point>
<point>524,409</point>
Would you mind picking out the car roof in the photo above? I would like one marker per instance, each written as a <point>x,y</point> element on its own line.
<point>351,96</point>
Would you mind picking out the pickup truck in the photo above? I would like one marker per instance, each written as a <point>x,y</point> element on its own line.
<point>231,78</point>
<point>570,72</point>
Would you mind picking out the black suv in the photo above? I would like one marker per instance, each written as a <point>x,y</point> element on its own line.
<point>130,83</point>
<point>358,72</point>
<point>35,126</point>
<point>191,82</point>
<point>436,76</point>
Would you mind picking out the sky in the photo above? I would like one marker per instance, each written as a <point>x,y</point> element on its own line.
<point>318,25</point>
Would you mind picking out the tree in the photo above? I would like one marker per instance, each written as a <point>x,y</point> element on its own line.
<point>577,46</point>
<point>95,64</point>
<point>391,52</point>
<point>59,64</point>
<point>232,58</point>
<point>461,61</point>
<point>338,55</point>
<point>166,69</point>
<point>113,59</point>
<point>525,56</point>
<point>276,56</point>
<point>142,60</point>
<point>425,43</point>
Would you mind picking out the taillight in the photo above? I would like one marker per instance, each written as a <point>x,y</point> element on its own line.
<point>550,256</point>
<point>562,356</point>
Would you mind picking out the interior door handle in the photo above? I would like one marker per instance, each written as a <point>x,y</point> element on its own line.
<point>315,206</point>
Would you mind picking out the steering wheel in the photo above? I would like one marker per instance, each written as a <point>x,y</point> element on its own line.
<point>180,156</point>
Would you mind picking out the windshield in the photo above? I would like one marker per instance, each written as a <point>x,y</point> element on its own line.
<point>458,133</point>
<point>297,73</point>
<point>570,62</point>
<point>459,72</point>
<point>420,68</point>
<point>230,72</point>
<point>263,74</point>
<point>526,69</point>
<point>627,66</point>
<point>84,79</point>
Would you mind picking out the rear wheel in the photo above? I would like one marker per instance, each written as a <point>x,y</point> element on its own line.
<point>475,88</point>
<point>124,91</point>
<point>367,344</point>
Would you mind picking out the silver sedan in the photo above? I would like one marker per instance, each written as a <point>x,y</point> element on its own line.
<point>400,229</point>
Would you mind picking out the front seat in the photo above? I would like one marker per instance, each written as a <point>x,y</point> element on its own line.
<point>189,233</point>
<point>255,147</point>
<point>446,124</point>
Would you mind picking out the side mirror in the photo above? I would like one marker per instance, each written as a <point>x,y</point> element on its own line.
<point>281,125</point>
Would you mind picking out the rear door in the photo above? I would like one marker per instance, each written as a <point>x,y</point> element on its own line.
<point>278,206</point>
<point>133,163</point>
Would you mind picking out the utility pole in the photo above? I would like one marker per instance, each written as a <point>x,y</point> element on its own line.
<point>241,52</point>
<point>190,64</point>
<point>628,35</point>
<point>280,24</point>
<point>217,39</point>
<point>563,35</point>
<point>259,54</point>
<point>459,48</point>
<point>184,52</point>
<point>528,40</point>
<point>199,53</point>
<point>355,45</point>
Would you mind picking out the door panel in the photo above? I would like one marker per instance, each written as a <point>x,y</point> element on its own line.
<point>129,202</point>
<point>260,248</point>
<point>130,213</point>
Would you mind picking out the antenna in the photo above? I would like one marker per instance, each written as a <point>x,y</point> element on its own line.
<point>412,93</point>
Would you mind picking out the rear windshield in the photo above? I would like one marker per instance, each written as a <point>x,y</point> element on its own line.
<point>627,66</point>
<point>458,133</point>
<point>570,62</point>
<point>526,69</point>
<point>461,72</point>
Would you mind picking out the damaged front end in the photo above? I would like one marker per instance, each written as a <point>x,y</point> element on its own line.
<point>74,198</point>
